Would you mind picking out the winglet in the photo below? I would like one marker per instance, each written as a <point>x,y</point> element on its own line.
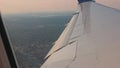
<point>81,1</point>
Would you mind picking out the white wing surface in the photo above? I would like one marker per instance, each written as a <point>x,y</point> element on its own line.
<point>90,40</point>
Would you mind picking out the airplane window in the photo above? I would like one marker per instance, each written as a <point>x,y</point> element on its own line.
<point>32,32</point>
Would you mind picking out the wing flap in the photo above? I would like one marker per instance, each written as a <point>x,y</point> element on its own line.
<point>62,58</point>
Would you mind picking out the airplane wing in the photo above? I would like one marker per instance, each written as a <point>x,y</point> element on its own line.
<point>90,40</point>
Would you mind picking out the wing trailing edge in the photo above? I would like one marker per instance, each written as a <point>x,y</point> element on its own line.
<point>63,39</point>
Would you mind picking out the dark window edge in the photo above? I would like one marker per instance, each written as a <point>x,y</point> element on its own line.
<point>7,46</point>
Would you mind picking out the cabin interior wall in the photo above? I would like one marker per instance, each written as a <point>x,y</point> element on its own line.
<point>4,63</point>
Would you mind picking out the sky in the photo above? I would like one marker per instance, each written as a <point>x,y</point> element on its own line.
<point>110,3</point>
<point>31,6</point>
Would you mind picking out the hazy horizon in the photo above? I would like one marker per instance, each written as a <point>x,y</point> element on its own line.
<point>29,6</point>
<point>35,6</point>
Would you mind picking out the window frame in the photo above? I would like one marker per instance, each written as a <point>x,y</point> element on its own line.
<point>7,46</point>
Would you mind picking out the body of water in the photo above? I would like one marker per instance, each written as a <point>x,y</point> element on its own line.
<point>32,35</point>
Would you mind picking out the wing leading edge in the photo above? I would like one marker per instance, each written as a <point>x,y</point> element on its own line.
<point>91,40</point>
